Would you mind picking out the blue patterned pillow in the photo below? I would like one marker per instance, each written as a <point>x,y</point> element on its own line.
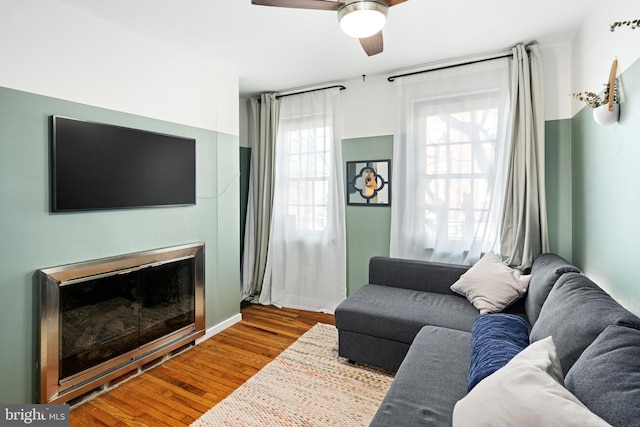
<point>495,339</point>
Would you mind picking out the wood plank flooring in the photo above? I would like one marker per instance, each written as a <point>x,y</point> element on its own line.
<point>183,388</point>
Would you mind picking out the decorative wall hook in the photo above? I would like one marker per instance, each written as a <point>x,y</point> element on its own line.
<point>608,113</point>
<point>606,109</point>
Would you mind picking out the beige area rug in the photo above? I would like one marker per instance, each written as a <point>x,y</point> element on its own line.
<point>306,385</point>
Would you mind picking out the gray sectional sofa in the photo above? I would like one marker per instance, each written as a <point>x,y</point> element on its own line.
<point>408,320</point>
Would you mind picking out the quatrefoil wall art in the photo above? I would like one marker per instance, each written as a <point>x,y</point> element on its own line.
<point>369,183</point>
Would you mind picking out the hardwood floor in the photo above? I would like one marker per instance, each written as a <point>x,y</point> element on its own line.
<point>183,388</point>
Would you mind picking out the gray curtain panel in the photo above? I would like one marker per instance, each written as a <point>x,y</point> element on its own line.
<point>524,233</point>
<point>263,127</point>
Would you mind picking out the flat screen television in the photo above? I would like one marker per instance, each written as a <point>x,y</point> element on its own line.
<point>96,166</point>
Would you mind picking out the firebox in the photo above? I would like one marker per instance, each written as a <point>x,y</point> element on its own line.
<point>103,318</point>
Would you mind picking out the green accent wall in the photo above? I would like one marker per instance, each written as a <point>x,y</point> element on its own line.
<point>558,186</point>
<point>606,195</point>
<point>368,227</point>
<point>31,237</point>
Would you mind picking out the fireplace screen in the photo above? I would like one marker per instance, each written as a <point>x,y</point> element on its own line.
<point>101,318</point>
<point>109,316</point>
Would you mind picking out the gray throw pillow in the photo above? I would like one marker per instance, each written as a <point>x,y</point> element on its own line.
<point>545,272</point>
<point>606,377</point>
<point>491,285</point>
<point>575,313</point>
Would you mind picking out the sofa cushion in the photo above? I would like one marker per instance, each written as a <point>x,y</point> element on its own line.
<point>491,285</point>
<point>546,270</point>
<point>371,350</point>
<point>431,379</point>
<point>426,276</point>
<point>575,313</point>
<point>527,392</point>
<point>495,340</point>
<point>399,314</point>
<point>606,377</point>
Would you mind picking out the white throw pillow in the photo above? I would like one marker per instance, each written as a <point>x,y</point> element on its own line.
<point>491,285</point>
<point>527,392</point>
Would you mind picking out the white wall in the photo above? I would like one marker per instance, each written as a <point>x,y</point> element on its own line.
<point>50,48</point>
<point>595,47</point>
<point>556,63</point>
<point>369,105</point>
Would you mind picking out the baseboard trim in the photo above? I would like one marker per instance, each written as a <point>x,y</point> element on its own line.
<point>216,329</point>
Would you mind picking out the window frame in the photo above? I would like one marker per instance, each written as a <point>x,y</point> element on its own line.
<point>316,218</point>
<point>481,101</point>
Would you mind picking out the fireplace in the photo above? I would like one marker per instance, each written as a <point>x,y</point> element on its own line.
<point>104,318</point>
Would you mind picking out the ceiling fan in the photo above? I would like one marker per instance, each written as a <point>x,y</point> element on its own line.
<point>362,19</point>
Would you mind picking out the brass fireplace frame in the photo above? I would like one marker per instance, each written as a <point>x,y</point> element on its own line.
<point>55,390</point>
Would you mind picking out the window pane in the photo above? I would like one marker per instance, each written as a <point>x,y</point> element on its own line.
<point>459,156</point>
<point>461,159</point>
<point>436,130</point>
<point>294,165</point>
<point>308,178</point>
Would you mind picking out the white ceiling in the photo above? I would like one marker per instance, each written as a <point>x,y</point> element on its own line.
<point>278,49</point>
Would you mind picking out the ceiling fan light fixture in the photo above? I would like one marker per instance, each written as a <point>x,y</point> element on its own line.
<point>362,18</point>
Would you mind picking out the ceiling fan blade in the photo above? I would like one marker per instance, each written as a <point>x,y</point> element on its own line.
<point>301,4</point>
<point>372,45</point>
<point>394,2</point>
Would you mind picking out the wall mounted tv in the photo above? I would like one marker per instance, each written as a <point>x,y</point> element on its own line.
<point>98,166</point>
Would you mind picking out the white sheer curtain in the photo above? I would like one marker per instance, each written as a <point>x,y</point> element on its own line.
<point>306,266</point>
<point>450,162</point>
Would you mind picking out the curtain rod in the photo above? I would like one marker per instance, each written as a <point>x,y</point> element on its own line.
<point>310,90</point>
<point>392,78</point>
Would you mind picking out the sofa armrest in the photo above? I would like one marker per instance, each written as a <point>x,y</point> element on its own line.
<point>414,274</point>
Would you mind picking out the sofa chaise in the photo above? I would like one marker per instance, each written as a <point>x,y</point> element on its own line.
<point>581,348</point>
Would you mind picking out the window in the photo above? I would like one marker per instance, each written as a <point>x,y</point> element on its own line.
<point>307,246</point>
<point>450,156</point>
<point>309,170</point>
<point>459,140</point>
